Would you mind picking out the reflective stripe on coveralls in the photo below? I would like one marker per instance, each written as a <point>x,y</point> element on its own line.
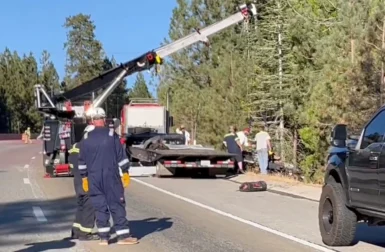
<point>103,161</point>
<point>104,230</point>
<point>81,228</point>
<point>85,213</point>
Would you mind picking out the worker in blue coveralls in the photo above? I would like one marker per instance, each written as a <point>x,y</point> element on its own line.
<point>85,213</point>
<point>103,165</point>
<point>233,145</point>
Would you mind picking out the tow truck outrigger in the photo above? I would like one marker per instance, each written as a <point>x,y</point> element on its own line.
<point>65,121</point>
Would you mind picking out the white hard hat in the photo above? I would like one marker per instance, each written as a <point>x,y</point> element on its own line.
<point>95,113</point>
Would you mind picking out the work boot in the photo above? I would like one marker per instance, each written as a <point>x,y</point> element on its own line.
<point>103,242</point>
<point>128,241</point>
<point>74,235</point>
<point>89,237</point>
<point>241,171</point>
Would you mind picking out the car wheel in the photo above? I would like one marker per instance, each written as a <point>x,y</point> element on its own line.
<point>337,222</point>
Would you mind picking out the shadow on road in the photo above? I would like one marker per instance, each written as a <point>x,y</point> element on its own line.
<point>18,221</point>
<point>19,217</point>
<point>371,235</point>
<point>200,174</point>
<point>142,228</point>
<point>49,245</point>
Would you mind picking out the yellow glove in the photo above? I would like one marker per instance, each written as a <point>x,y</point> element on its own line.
<point>85,184</point>
<point>271,153</point>
<point>125,179</point>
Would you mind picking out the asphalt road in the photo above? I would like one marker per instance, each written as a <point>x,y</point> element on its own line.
<point>180,215</point>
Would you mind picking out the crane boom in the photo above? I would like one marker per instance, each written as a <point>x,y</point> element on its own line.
<point>110,79</point>
<point>199,35</point>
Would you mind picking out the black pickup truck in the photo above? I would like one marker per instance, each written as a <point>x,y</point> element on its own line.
<point>354,188</point>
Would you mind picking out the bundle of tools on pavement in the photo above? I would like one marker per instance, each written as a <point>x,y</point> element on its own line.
<point>257,186</point>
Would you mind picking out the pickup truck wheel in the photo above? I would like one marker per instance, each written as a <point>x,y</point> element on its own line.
<point>337,222</point>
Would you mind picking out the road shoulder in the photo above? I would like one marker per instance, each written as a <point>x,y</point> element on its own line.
<point>282,185</point>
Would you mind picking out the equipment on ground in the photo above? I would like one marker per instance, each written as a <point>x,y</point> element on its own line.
<point>275,165</point>
<point>257,186</point>
<point>65,120</point>
<point>353,190</point>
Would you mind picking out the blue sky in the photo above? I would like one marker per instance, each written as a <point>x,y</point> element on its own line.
<point>126,28</point>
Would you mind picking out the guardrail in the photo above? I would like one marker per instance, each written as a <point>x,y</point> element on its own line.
<point>14,136</point>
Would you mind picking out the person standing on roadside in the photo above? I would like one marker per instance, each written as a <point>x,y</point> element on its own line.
<point>242,135</point>
<point>28,136</point>
<point>233,145</point>
<point>104,168</point>
<point>263,147</point>
<point>85,212</point>
<point>182,130</point>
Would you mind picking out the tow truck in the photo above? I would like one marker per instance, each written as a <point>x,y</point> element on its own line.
<point>153,150</point>
<point>64,113</point>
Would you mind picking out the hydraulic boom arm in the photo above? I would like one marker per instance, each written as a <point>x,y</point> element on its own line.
<point>111,79</point>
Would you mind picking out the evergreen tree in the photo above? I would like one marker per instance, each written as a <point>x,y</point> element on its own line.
<point>19,75</point>
<point>140,90</point>
<point>84,52</point>
<point>48,74</point>
<point>206,85</point>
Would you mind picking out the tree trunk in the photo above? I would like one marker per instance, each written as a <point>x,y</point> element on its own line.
<point>295,147</point>
<point>352,44</point>
<point>280,72</point>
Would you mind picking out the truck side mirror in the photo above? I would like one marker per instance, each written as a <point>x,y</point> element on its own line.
<point>339,135</point>
<point>171,121</point>
<point>354,137</point>
<point>352,141</point>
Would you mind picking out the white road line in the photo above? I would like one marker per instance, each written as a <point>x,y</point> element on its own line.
<point>33,157</point>
<point>39,214</point>
<point>231,216</point>
<point>35,188</point>
<point>26,181</point>
<point>29,179</point>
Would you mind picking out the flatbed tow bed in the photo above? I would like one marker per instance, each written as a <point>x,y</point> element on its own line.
<point>180,158</point>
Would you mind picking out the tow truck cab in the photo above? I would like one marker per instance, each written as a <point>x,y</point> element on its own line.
<point>58,138</point>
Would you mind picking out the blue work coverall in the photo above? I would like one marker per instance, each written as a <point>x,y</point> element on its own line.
<point>103,160</point>
<point>232,147</point>
<point>85,213</point>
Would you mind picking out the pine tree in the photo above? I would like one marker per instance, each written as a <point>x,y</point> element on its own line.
<point>48,74</point>
<point>29,116</point>
<point>84,52</point>
<point>206,84</point>
<point>140,90</point>
<point>19,75</point>
<point>4,110</point>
